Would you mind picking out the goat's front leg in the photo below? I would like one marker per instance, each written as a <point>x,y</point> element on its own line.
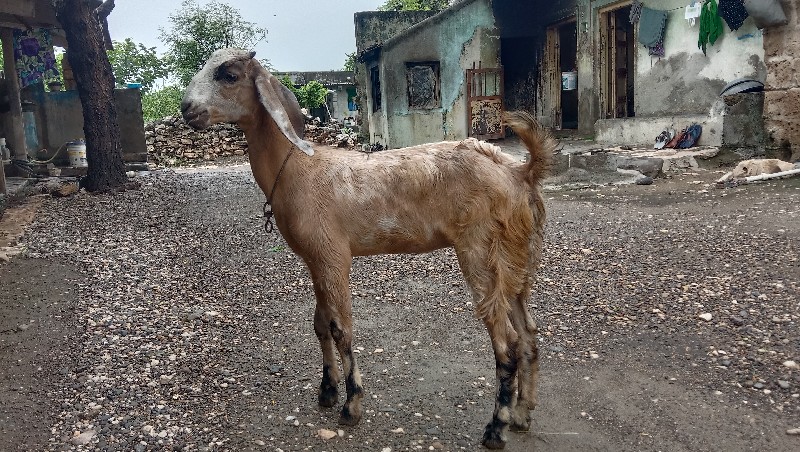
<point>328,389</point>
<point>333,319</point>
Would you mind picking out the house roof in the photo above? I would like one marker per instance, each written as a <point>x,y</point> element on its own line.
<point>32,14</point>
<point>327,78</point>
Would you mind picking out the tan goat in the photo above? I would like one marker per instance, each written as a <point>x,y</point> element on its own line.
<point>331,205</point>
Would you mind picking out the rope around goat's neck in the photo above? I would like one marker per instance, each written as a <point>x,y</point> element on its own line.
<point>268,213</point>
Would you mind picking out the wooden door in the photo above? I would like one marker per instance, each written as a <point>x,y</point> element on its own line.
<point>552,78</point>
<point>616,63</point>
<point>485,103</point>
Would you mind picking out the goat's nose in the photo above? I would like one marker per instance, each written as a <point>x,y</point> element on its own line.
<point>185,106</point>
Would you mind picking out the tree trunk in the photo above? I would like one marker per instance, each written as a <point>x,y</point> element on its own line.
<point>95,81</point>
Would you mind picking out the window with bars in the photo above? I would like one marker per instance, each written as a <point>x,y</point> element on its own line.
<point>375,87</point>
<point>423,85</point>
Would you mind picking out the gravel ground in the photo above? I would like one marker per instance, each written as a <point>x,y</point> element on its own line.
<point>165,318</point>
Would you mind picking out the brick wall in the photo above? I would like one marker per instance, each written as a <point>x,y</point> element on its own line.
<point>782,97</point>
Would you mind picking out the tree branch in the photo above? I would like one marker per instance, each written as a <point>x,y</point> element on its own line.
<point>102,12</point>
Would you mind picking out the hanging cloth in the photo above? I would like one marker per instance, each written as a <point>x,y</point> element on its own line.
<point>651,26</point>
<point>652,23</point>
<point>733,11</point>
<point>692,12</point>
<point>710,25</point>
<point>636,11</point>
<point>34,56</point>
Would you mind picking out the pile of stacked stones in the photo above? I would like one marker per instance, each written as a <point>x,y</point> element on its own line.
<point>170,141</point>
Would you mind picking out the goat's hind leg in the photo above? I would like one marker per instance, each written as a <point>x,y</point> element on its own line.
<point>504,344</point>
<point>527,352</point>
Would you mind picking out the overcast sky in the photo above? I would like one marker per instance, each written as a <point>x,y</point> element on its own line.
<point>303,35</point>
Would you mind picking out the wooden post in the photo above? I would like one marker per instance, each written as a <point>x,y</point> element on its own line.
<point>2,177</point>
<point>16,139</point>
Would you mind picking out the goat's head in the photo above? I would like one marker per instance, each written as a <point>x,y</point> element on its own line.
<point>231,87</point>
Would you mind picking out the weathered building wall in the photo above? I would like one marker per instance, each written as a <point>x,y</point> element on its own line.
<point>782,97</point>
<point>683,83</point>
<point>373,28</point>
<point>60,119</point>
<point>455,39</point>
<point>337,82</point>
<point>687,82</point>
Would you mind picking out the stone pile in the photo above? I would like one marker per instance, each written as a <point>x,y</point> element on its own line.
<point>170,141</point>
<point>331,134</point>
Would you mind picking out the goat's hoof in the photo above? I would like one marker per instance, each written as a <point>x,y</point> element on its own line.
<point>348,417</point>
<point>493,438</point>
<point>521,421</point>
<point>328,397</point>
<point>520,427</point>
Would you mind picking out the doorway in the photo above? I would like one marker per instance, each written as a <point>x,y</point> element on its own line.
<point>617,62</point>
<point>568,50</point>
<point>560,72</point>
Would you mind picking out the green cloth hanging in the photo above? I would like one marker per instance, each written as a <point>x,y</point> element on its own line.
<point>710,25</point>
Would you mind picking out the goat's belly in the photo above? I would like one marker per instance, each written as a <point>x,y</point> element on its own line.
<point>397,241</point>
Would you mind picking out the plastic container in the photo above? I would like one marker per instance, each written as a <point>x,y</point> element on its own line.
<point>134,86</point>
<point>76,150</point>
<point>569,81</point>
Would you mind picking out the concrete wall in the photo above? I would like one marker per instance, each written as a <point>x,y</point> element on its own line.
<point>782,97</point>
<point>685,81</point>
<point>338,103</point>
<point>456,38</point>
<point>373,28</point>
<point>60,119</point>
<point>681,87</point>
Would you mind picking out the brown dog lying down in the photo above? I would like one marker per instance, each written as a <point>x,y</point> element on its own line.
<point>755,167</point>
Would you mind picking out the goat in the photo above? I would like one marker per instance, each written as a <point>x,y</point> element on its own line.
<point>331,205</point>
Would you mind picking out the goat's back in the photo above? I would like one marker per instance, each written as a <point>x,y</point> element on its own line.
<point>415,199</point>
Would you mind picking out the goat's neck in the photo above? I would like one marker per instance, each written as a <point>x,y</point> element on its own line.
<point>267,150</point>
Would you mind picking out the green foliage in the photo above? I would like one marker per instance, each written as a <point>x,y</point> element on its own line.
<point>350,62</point>
<point>135,63</point>
<point>287,82</point>
<point>161,103</point>
<point>414,5</point>
<point>311,95</point>
<point>196,31</point>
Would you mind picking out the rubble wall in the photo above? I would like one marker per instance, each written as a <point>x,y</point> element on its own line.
<point>171,141</point>
<point>782,97</point>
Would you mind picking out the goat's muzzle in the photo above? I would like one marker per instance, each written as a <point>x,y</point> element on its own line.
<point>194,116</point>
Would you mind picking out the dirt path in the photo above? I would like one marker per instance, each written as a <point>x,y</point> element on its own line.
<point>166,319</point>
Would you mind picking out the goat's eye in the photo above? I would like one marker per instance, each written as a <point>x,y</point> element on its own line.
<point>224,76</point>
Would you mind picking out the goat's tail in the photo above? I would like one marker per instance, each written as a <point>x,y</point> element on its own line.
<point>538,141</point>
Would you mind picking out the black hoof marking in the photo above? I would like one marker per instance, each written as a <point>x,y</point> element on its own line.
<point>493,438</point>
<point>348,418</point>
<point>328,397</point>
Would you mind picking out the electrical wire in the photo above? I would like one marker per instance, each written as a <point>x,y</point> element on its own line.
<point>44,162</point>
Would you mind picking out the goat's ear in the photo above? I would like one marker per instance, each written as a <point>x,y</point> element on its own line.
<point>269,87</point>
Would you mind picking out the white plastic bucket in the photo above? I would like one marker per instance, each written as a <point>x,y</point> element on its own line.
<point>569,81</point>
<point>76,150</point>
